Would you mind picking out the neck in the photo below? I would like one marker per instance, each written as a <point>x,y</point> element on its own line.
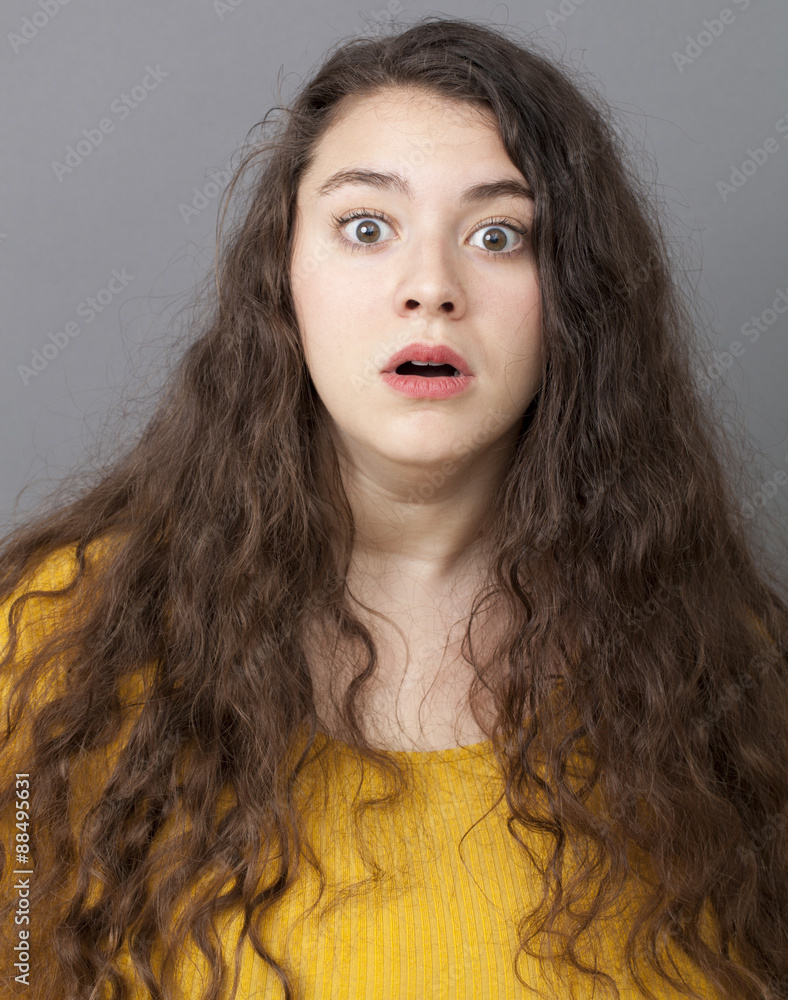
<point>419,523</point>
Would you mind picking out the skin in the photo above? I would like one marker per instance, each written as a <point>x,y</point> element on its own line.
<point>422,280</point>
<point>426,276</point>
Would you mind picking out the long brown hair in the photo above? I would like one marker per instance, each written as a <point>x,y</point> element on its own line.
<point>645,637</point>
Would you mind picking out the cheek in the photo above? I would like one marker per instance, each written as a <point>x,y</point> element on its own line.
<point>516,337</point>
<point>336,310</point>
<point>514,316</point>
<point>329,286</point>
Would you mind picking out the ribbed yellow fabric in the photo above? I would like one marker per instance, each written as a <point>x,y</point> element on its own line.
<point>442,923</point>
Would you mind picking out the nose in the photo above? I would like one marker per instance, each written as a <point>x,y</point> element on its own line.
<point>447,306</point>
<point>431,284</point>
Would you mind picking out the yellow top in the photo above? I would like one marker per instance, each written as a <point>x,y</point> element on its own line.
<point>441,925</point>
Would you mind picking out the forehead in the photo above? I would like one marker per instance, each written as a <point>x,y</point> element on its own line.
<point>416,103</point>
<point>398,132</point>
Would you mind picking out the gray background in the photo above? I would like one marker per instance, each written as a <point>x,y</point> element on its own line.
<point>226,64</point>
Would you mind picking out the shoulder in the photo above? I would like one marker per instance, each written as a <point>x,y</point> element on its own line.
<point>41,659</point>
<point>34,613</point>
<point>46,586</point>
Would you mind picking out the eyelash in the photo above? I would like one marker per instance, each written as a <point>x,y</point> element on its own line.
<point>341,222</point>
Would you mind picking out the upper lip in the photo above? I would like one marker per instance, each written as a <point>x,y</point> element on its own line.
<point>439,354</point>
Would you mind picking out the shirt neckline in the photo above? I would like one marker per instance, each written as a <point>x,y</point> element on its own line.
<point>447,754</point>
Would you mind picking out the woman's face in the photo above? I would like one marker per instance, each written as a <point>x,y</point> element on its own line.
<point>422,262</point>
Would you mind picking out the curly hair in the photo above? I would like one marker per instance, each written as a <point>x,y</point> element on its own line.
<point>646,632</point>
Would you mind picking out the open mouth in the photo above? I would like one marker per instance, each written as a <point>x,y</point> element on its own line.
<point>426,369</point>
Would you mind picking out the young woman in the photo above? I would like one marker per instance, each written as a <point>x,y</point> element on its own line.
<point>418,647</point>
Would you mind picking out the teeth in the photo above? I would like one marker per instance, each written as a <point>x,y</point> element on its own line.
<point>436,364</point>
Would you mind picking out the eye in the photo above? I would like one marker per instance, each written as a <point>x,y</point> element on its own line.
<point>495,238</point>
<point>366,230</point>
<point>367,233</point>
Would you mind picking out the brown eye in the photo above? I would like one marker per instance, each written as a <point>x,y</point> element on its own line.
<point>495,236</point>
<point>494,239</point>
<point>367,231</point>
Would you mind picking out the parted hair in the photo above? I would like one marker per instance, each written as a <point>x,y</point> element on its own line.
<point>646,630</point>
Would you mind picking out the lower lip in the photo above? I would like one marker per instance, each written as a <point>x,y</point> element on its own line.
<point>427,387</point>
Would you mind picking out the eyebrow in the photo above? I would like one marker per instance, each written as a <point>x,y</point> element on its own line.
<point>478,192</point>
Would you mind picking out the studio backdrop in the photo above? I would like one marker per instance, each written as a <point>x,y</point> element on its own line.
<point>122,123</point>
